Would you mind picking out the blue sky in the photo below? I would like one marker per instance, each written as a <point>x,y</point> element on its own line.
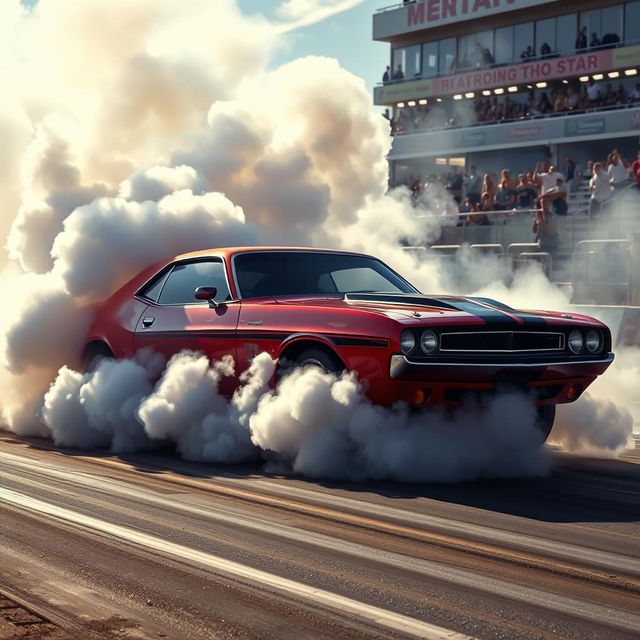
<point>345,36</point>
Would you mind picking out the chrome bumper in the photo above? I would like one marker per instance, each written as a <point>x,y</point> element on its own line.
<point>402,369</point>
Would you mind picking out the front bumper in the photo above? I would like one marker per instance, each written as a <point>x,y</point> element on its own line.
<point>403,369</point>
<point>455,384</point>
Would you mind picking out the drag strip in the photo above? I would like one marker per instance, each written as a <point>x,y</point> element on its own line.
<point>400,567</point>
<point>381,617</point>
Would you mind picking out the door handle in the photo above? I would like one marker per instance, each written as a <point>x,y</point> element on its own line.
<point>147,322</point>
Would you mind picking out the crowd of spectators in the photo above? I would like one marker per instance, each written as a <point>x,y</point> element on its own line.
<point>544,190</point>
<point>559,100</point>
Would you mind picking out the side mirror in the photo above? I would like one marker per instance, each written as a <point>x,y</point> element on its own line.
<point>208,294</point>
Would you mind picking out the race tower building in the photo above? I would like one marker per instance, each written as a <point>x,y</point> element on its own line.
<point>508,83</point>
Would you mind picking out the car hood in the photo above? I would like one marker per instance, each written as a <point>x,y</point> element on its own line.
<point>424,308</point>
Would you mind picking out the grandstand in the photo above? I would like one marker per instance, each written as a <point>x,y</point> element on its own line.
<point>508,85</point>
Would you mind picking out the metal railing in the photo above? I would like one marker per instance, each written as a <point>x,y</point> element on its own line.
<point>503,228</point>
<point>602,272</point>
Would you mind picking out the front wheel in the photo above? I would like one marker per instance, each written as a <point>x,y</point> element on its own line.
<point>544,422</point>
<point>319,359</point>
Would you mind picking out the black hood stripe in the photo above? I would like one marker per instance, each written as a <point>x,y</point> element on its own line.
<point>527,318</point>
<point>491,311</point>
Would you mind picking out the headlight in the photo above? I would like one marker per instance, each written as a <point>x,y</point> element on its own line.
<point>576,341</point>
<point>407,341</point>
<point>593,341</point>
<point>429,341</point>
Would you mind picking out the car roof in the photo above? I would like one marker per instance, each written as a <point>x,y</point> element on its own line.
<point>231,251</point>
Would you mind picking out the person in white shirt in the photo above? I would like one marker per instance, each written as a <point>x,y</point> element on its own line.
<point>618,170</point>
<point>593,93</point>
<point>546,176</point>
<point>558,197</point>
<point>600,188</point>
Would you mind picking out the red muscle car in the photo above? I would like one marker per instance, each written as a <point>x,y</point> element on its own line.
<point>338,310</point>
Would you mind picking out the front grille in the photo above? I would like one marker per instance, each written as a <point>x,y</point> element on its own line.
<point>501,341</point>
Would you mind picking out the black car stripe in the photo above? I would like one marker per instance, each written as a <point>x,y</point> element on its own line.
<point>483,308</point>
<point>339,339</point>
<point>527,318</point>
<point>493,317</point>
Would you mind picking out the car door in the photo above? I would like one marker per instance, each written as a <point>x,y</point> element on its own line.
<point>175,320</point>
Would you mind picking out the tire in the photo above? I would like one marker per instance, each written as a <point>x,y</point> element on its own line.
<point>546,416</point>
<point>320,359</point>
<point>94,354</point>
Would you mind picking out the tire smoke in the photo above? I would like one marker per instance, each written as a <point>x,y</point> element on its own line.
<point>313,423</point>
<point>171,137</point>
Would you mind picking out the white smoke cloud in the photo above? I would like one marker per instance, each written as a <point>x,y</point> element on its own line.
<point>105,243</point>
<point>99,409</point>
<point>326,428</point>
<point>170,137</point>
<point>314,423</point>
<point>157,182</point>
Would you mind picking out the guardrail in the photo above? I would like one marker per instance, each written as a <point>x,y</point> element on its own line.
<point>487,227</point>
<point>602,272</point>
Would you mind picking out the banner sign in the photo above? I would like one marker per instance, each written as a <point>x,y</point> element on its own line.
<point>524,73</point>
<point>513,75</point>
<point>418,15</point>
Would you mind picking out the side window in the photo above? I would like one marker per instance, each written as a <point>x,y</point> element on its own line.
<point>152,289</point>
<point>185,278</point>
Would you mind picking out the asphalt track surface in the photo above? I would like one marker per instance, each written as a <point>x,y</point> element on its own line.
<point>150,546</point>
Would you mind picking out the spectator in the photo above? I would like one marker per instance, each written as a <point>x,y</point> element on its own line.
<point>486,201</point>
<point>557,196</point>
<point>560,102</point>
<point>398,74</point>
<point>488,192</point>
<point>454,185</point>
<point>573,98</point>
<point>588,173</point>
<point>600,188</point>
<point>473,185</point>
<point>581,40</point>
<point>618,170</point>
<point>546,176</point>
<point>466,206</point>
<point>593,93</point>
<point>528,53</point>
<point>610,97</point>
<point>635,171</point>
<point>583,102</point>
<point>386,75</point>
<point>545,50</point>
<point>610,40</point>
<point>505,195</point>
<point>544,104</point>
<point>623,96</point>
<point>635,95</point>
<point>477,218</point>
<point>526,193</point>
<point>569,169</point>
<point>595,41</point>
<point>487,57</point>
<point>545,228</point>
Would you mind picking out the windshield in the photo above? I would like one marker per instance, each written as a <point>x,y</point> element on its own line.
<point>281,273</point>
